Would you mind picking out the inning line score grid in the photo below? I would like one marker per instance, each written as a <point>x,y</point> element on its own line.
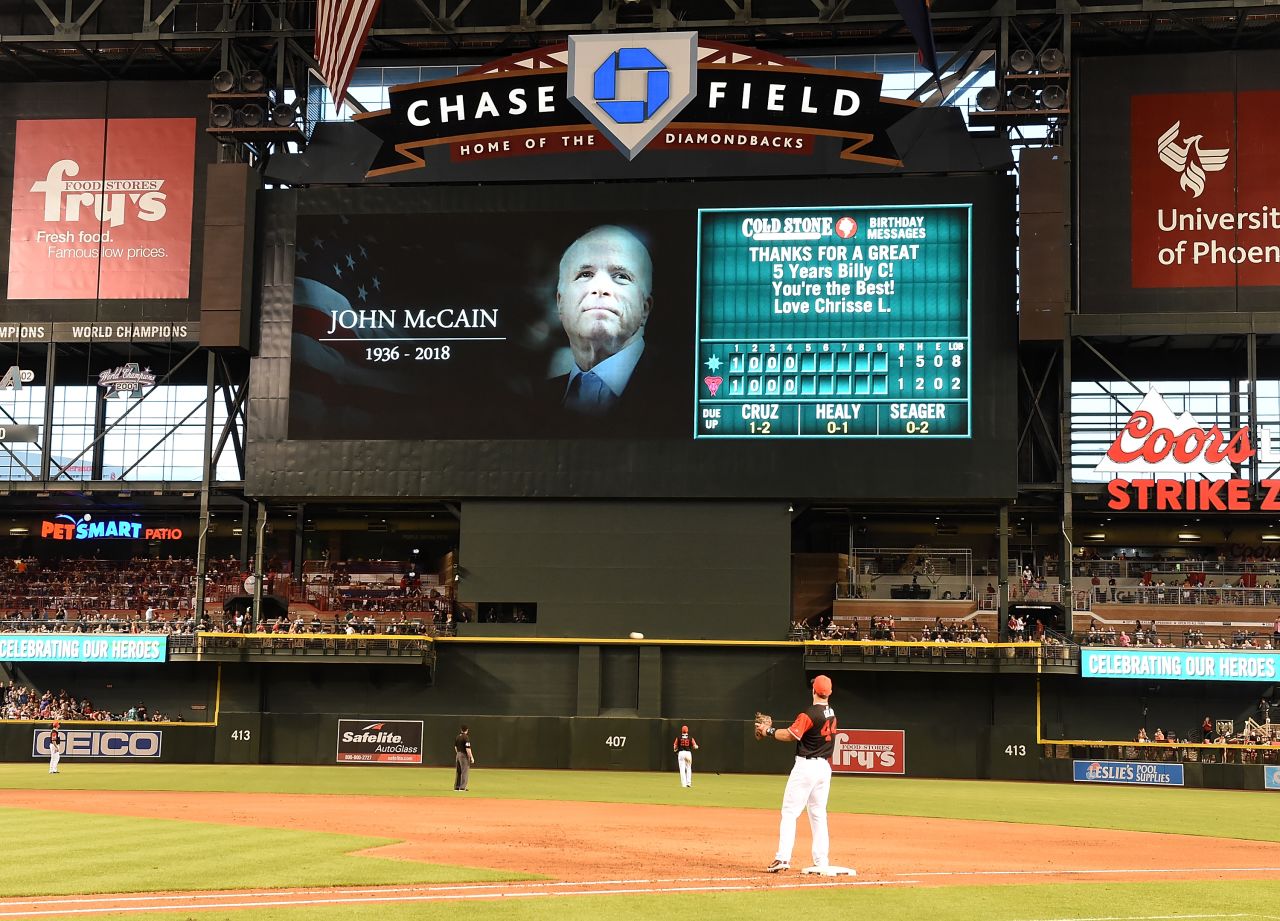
<point>834,322</point>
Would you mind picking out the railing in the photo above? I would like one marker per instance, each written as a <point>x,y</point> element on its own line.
<point>1190,638</point>
<point>1220,595</point>
<point>92,625</point>
<point>1190,752</point>
<point>1134,569</point>
<point>899,652</point>
<point>332,643</point>
<point>931,590</point>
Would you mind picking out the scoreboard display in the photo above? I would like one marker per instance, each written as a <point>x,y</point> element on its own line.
<point>847,322</point>
<point>835,338</point>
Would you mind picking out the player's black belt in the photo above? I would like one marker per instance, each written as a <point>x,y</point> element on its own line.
<point>812,757</point>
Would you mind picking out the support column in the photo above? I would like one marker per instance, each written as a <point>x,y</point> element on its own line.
<point>46,434</point>
<point>98,451</point>
<point>260,534</point>
<point>1002,534</point>
<point>650,678</point>
<point>1065,567</point>
<point>244,537</point>
<point>589,680</point>
<point>297,543</point>
<point>206,482</point>
<point>1255,464</point>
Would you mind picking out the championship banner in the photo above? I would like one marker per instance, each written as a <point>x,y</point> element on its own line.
<point>138,744</point>
<point>870,751</point>
<point>1140,773</point>
<point>379,742</point>
<point>83,647</point>
<point>663,90</point>
<point>143,331</point>
<point>102,208</point>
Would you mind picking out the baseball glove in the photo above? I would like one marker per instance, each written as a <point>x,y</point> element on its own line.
<point>763,723</point>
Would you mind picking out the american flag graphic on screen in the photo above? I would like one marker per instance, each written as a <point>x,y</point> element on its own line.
<point>341,28</point>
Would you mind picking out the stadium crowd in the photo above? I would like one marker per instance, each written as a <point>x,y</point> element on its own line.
<point>158,596</point>
<point>19,702</point>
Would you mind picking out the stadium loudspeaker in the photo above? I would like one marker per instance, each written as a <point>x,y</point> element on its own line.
<point>226,288</point>
<point>1044,243</point>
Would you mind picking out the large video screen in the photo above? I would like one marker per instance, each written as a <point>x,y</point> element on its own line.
<point>772,338</point>
<point>846,322</point>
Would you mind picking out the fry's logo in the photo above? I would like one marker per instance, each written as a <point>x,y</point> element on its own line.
<point>869,751</point>
<point>107,200</point>
<point>1157,441</point>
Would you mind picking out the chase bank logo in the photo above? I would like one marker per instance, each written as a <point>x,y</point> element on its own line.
<point>631,87</point>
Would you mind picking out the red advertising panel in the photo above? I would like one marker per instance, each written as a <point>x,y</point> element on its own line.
<point>870,751</point>
<point>1201,184</point>
<point>102,208</point>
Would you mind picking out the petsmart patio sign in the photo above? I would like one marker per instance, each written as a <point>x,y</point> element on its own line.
<point>86,527</point>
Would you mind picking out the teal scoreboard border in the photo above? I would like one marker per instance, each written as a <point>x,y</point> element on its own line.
<point>968,315</point>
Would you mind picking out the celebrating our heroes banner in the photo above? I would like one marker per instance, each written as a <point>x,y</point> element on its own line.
<point>70,647</point>
<point>1186,664</point>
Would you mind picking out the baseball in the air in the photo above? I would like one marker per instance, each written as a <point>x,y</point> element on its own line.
<point>637,636</point>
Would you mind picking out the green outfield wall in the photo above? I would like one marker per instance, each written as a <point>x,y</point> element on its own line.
<point>595,705</point>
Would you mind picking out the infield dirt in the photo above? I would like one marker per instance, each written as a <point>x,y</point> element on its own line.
<point>569,841</point>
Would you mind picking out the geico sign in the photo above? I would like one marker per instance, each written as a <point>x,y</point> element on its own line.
<point>101,743</point>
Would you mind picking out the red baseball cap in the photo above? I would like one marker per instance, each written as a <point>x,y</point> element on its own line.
<point>55,724</point>
<point>684,728</point>
<point>822,686</point>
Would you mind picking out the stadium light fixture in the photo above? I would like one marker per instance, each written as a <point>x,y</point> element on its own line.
<point>1053,97</point>
<point>284,115</point>
<point>1052,60</point>
<point>989,98</point>
<point>252,81</point>
<point>224,81</point>
<point>221,116</point>
<point>251,116</point>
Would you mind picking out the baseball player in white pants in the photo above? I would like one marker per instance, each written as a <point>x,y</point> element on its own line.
<point>809,785</point>
<point>684,746</point>
<point>55,742</point>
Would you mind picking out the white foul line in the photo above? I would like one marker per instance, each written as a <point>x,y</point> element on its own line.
<point>1108,870</point>
<point>1146,918</point>
<point>346,890</point>
<point>179,903</point>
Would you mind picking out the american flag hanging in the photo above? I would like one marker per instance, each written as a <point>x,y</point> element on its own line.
<point>915,13</point>
<point>341,28</point>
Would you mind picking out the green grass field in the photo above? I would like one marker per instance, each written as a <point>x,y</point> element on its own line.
<point>63,853</point>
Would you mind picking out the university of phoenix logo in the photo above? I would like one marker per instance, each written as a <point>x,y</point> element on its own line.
<point>1189,160</point>
<point>631,87</point>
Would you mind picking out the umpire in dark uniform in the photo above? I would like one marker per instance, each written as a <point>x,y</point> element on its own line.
<point>463,758</point>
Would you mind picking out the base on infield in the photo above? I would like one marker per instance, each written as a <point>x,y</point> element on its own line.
<point>830,871</point>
